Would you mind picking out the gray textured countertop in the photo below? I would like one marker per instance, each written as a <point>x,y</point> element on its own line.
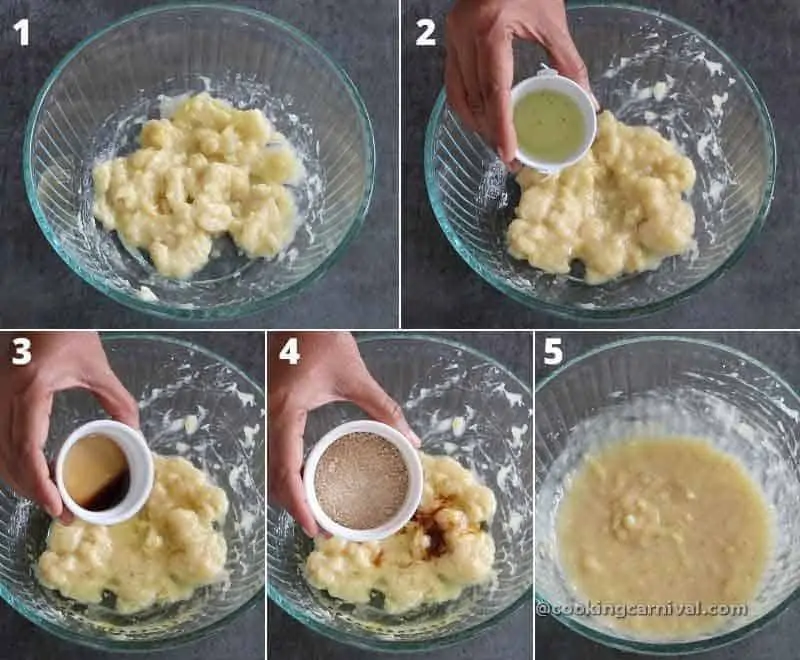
<point>779,639</point>
<point>243,639</point>
<point>509,640</point>
<point>441,291</point>
<point>39,290</point>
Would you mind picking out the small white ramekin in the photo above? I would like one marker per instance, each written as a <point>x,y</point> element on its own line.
<point>415,480</point>
<point>549,79</point>
<point>140,465</point>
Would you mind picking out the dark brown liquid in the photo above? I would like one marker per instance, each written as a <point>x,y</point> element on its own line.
<point>426,520</point>
<point>96,473</point>
<point>111,494</point>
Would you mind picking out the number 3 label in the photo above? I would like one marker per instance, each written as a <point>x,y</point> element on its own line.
<point>22,352</point>
<point>290,351</point>
<point>553,354</point>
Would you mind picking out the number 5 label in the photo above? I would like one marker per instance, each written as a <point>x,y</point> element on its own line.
<point>553,355</point>
<point>22,352</point>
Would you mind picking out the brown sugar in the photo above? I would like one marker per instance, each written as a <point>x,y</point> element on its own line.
<point>361,481</point>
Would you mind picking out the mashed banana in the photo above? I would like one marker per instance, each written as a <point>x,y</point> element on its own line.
<point>672,528</point>
<point>441,551</point>
<point>207,170</point>
<point>160,556</point>
<point>618,210</point>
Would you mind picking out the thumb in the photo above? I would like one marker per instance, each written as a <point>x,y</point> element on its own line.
<point>284,460</point>
<point>496,75</point>
<point>368,395</point>
<point>29,427</point>
<point>566,59</point>
<point>115,399</point>
<point>39,484</point>
<point>293,497</point>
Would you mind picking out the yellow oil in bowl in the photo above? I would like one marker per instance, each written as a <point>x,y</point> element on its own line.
<point>550,126</point>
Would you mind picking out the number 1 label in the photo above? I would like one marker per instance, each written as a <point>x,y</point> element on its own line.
<point>21,26</point>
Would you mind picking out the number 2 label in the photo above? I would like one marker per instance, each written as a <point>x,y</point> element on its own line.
<point>428,28</point>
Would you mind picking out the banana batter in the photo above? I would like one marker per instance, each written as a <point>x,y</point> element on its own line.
<point>653,521</point>
<point>618,210</point>
<point>439,553</point>
<point>160,556</point>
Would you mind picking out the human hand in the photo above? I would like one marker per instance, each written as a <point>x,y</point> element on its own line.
<point>479,70</point>
<point>60,361</point>
<point>330,369</point>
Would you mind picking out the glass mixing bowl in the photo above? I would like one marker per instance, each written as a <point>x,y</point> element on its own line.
<point>670,386</point>
<point>92,108</point>
<point>711,109</point>
<point>171,380</point>
<point>434,381</point>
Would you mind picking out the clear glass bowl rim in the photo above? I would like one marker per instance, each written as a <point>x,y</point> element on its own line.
<point>620,314</point>
<point>225,311</point>
<point>422,645</point>
<point>668,648</point>
<point>154,645</point>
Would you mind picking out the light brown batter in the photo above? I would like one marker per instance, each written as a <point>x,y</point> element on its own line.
<point>653,521</point>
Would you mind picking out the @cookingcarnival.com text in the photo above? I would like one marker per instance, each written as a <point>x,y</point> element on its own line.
<point>625,610</point>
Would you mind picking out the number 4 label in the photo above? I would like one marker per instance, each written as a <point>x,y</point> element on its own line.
<point>290,351</point>
<point>21,26</point>
<point>553,354</point>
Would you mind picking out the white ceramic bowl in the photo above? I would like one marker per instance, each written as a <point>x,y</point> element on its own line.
<point>415,480</point>
<point>140,464</point>
<point>549,79</point>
